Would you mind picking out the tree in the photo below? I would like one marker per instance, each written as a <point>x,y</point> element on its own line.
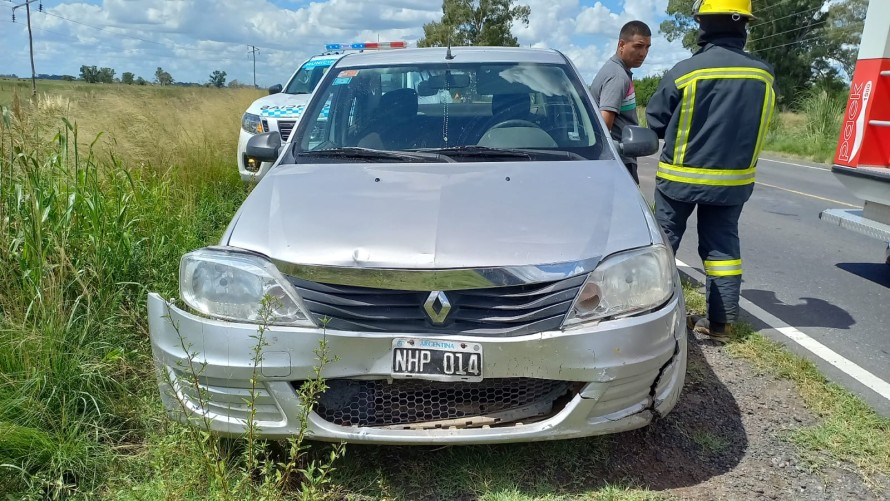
<point>475,22</point>
<point>140,81</point>
<point>791,35</point>
<point>89,74</point>
<point>646,87</point>
<point>237,84</point>
<point>106,75</point>
<point>127,78</point>
<point>845,23</point>
<point>218,79</point>
<point>162,77</point>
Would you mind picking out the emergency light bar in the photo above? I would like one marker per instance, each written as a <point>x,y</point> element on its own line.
<point>366,45</point>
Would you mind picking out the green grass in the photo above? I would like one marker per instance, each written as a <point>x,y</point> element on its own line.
<point>847,428</point>
<point>532,470</point>
<point>813,132</point>
<point>83,236</point>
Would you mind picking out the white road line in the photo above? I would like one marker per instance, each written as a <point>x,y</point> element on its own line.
<point>810,195</point>
<point>843,364</point>
<point>823,169</point>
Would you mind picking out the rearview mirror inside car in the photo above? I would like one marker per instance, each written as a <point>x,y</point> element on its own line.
<point>448,81</point>
<point>638,141</point>
<point>264,147</point>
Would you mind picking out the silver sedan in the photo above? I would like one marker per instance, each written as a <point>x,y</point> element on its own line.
<point>479,266</point>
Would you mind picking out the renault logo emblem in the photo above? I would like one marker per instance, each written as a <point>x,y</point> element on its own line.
<point>437,307</point>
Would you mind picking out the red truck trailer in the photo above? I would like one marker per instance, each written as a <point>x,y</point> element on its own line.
<point>862,162</point>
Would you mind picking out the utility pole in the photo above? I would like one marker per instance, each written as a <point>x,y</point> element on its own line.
<point>253,50</point>
<point>27,6</point>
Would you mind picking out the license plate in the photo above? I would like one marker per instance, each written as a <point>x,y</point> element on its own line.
<point>436,359</point>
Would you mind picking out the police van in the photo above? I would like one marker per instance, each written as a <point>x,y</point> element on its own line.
<point>282,108</point>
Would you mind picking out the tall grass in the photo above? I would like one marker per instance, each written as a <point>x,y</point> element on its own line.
<point>87,226</point>
<point>812,132</point>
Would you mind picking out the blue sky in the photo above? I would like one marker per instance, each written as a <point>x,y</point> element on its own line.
<point>192,38</point>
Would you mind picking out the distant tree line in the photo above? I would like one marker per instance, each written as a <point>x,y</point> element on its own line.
<point>92,74</point>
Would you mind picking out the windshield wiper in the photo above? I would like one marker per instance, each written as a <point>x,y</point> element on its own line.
<point>476,151</point>
<point>371,155</point>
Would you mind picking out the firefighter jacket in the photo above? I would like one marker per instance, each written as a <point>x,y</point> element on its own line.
<point>713,111</point>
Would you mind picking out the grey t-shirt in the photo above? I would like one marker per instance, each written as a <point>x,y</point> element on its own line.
<point>613,90</point>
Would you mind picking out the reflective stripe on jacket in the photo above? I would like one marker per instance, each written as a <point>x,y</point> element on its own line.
<point>713,111</point>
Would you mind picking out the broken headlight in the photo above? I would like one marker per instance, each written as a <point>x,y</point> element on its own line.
<point>232,285</point>
<point>625,284</point>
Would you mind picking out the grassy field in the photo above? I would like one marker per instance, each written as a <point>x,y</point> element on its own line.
<point>102,189</point>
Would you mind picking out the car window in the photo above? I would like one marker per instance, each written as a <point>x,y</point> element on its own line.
<point>446,106</point>
<point>308,76</point>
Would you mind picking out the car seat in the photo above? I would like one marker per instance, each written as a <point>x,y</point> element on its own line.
<point>393,126</point>
<point>506,107</point>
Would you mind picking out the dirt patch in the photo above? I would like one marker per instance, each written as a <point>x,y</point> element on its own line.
<point>727,439</point>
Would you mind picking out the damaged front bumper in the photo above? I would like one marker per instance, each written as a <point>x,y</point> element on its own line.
<point>590,380</point>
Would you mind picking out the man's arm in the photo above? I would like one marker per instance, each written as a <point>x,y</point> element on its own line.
<point>612,92</point>
<point>662,105</point>
<point>608,117</point>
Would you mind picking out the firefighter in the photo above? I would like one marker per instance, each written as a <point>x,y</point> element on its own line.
<point>713,111</point>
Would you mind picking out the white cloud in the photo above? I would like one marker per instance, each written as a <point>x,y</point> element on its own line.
<point>597,20</point>
<point>191,38</point>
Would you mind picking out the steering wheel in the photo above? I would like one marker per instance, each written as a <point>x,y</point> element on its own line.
<point>516,122</point>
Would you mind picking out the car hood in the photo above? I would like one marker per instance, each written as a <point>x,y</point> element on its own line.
<point>442,215</point>
<point>280,105</point>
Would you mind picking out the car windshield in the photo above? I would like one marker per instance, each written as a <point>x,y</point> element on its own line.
<point>466,111</point>
<point>308,76</point>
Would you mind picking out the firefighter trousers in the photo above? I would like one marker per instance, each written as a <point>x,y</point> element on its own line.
<point>718,247</point>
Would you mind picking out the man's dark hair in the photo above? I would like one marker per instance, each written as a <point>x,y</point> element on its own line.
<point>634,28</point>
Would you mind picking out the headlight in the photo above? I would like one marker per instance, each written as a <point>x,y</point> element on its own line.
<point>252,123</point>
<point>231,285</point>
<point>625,284</point>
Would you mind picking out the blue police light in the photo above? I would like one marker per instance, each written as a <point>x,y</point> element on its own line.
<point>366,45</point>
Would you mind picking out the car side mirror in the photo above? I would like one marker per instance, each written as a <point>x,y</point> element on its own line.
<point>275,89</point>
<point>264,147</point>
<point>637,141</point>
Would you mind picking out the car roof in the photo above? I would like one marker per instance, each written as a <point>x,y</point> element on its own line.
<point>326,57</point>
<point>460,55</point>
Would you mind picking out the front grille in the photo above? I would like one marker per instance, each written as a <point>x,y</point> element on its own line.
<point>285,127</point>
<point>498,311</point>
<point>349,402</point>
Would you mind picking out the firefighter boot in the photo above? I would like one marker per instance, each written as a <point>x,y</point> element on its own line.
<point>715,330</point>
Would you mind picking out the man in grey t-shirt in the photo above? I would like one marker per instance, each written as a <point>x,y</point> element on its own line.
<point>613,87</point>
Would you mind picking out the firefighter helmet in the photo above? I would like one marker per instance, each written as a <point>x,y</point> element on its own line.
<point>727,7</point>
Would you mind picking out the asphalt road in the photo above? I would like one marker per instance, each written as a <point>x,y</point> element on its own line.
<point>828,282</point>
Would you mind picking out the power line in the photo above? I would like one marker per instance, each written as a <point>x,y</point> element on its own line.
<point>812,11</point>
<point>768,8</point>
<point>253,50</point>
<point>817,37</point>
<point>817,23</point>
<point>27,6</point>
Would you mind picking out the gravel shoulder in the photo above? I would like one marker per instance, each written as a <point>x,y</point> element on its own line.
<point>728,439</point>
